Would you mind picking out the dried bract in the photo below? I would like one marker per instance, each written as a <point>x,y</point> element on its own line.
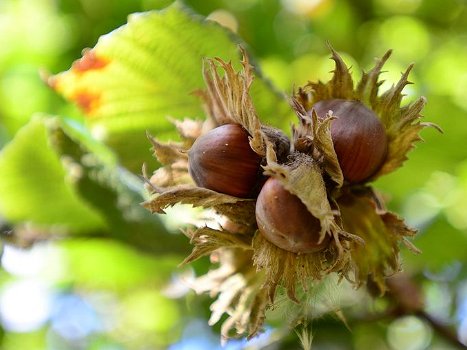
<point>315,215</point>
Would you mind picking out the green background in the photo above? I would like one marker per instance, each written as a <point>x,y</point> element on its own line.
<point>82,264</point>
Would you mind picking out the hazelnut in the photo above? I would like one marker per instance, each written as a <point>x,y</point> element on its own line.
<point>222,160</point>
<point>284,220</point>
<point>358,135</point>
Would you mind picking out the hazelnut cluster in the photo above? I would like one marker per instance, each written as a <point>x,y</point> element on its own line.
<point>294,210</point>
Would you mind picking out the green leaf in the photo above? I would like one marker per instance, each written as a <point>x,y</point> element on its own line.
<point>34,186</point>
<point>138,75</point>
<point>57,179</point>
<point>116,194</point>
<point>90,258</point>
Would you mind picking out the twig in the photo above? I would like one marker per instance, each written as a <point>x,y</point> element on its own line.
<point>442,329</point>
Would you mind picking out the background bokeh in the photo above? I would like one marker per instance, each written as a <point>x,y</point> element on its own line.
<point>107,290</point>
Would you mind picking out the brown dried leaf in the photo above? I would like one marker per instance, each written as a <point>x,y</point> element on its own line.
<point>171,175</point>
<point>167,153</point>
<point>239,291</point>
<point>237,209</point>
<point>189,129</point>
<point>197,196</point>
<point>227,98</point>
<point>324,144</point>
<point>242,212</point>
<point>206,240</point>
<point>314,136</point>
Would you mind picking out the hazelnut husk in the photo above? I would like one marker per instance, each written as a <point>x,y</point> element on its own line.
<point>223,161</point>
<point>358,136</point>
<point>315,215</point>
<point>286,222</point>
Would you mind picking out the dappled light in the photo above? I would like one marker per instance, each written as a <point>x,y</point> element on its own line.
<point>93,259</point>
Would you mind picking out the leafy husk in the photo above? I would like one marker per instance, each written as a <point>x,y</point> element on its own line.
<point>236,282</point>
<point>237,209</point>
<point>207,240</point>
<point>364,238</point>
<point>227,98</point>
<point>362,213</point>
<point>313,137</point>
<point>290,270</point>
<point>402,123</point>
<point>238,287</point>
<point>302,176</point>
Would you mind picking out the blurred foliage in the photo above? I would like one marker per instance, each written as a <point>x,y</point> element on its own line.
<point>85,267</point>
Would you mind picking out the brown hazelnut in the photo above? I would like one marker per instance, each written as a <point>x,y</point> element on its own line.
<point>358,135</point>
<point>222,160</point>
<point>285,221</point>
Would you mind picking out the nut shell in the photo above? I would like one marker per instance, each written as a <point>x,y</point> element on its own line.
<point>222,160</point>
<point>358,135</point>
<point>284,220</point>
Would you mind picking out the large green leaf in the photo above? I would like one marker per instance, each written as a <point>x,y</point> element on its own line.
<point>34,186</point>
<point>90,258</point>
<point>54,177</point>
<point>140,74</point>
<point>116,194</point>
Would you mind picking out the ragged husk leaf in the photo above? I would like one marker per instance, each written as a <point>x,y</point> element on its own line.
<point>302,176</point>
<point>227,98</point>
<point>236,283</point>
<point>364,215</point>
<point>364,238</point>
<point>238,287</point>
<point>189,130</point>
<point>382,232</point>
<point>239,210</point>
<point>291,270</point>
<point>313,137</point>
<point>402,124</point>
<point>175,164</point>
<point>207,240</point>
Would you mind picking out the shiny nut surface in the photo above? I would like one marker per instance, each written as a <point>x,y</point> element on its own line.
<point>284,220</point>
<point>358,135</point>
<point>222,160</point>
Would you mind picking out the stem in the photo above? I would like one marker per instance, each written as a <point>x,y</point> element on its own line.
<point>442,329</point>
